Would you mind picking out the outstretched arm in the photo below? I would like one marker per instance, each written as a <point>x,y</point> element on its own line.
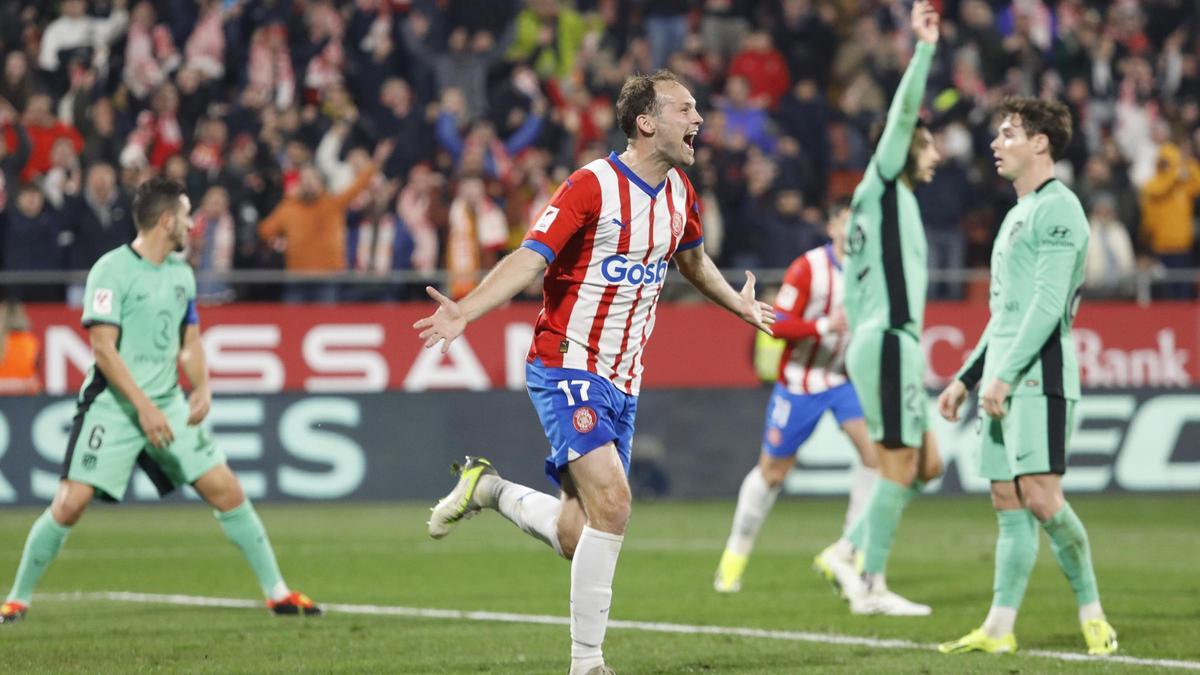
<point>702,272</point>
<point>892,151</point>
<point>515,272</point>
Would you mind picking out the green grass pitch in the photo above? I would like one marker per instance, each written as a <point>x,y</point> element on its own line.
<point>378,554</point>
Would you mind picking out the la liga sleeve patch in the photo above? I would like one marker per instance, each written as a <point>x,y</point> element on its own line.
<point>543,224</point>
<point>102,301</point>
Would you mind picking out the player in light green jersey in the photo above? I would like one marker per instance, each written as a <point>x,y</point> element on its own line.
<point>1026,362</point>
<point>885,277</point>
<point>140,314</point>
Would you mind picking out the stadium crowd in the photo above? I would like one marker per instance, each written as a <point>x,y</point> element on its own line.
<point>378,135</point>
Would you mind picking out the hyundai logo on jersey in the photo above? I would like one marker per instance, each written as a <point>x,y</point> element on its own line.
<point>618,269</point>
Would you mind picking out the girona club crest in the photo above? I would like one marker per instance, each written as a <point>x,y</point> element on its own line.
<point>584,419</point>
<point>774,436</point>
<point>677,223</point>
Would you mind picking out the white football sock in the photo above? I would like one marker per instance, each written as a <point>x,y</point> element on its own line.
<point>843,548</point>
<point>592,569</point>
<point>280,591</point>
<point>755,499</point>
<point>1090,611</point>
<point>862,481</point>
<point>536,513</point>
<point>1000,621</point>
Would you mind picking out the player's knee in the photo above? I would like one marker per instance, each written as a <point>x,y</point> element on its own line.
<point>931,468</point>
<point>1043,502</point>
<point>1042,505</point>
<point>611,513</point>
<point>1005,500</point>
<point>70,502</point>
<point>775,471</point>
<point>221,489</point>
<point>567,541</point>
<point>67,512</point>
<point>899,472</point>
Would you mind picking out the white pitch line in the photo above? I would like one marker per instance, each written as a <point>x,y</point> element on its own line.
<point>545,619</point>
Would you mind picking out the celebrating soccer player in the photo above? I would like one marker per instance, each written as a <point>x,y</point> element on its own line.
<point>811,380</point>
<point>603,244</point>
<point>139,306</point>
<point>1026,361</point>
<point>885,304</point>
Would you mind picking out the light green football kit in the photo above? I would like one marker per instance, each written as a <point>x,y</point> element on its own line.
<point>1037,269</point>
<point>886,278</point>
<point>151,305</point>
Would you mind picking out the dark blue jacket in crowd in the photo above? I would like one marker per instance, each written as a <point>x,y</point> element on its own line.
<point>96,229</point>
<point>32,243</point>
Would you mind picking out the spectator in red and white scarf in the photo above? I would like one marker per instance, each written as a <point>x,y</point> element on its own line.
<point>270,67</point>
<point>205,48</point>
<point>418,204</point>
<point>157,137</point>
<point>212,244</point>
<point>324,70</point>
<point>150,54</point>
<point>478,233</point>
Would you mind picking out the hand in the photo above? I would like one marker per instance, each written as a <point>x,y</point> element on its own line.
<point>444,325</point>
<point>951,399</point>
<point>755,312</point>
<point>199,402</point>
<point>925,21</point>
<point>383,151</point>
<point>837,321</point>
<point>154,424</point>
<point>993,398</point>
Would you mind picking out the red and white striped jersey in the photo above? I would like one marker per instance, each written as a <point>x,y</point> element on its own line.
<point>814,360</point>
<point>608,237</point>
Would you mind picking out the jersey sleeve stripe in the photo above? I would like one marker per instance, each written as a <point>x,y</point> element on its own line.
<point>191,317</point>
<point>690,245</point>
<point>539,248</point>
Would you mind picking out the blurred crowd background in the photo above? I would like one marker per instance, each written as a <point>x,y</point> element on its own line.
<point>390,139</point>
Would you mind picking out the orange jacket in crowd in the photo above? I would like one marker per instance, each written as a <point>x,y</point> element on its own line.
<point>18,364</point>
<point>1167,199</point>
<point>315,230</point>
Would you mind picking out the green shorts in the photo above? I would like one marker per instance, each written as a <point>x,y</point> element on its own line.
<point>888,371</point>
<point>106,442</point>
<point>1031,438</point>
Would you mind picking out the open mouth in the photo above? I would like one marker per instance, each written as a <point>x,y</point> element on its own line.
<point>689,139</point>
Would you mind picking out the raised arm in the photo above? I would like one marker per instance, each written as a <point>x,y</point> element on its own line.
<point>892,151</point>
